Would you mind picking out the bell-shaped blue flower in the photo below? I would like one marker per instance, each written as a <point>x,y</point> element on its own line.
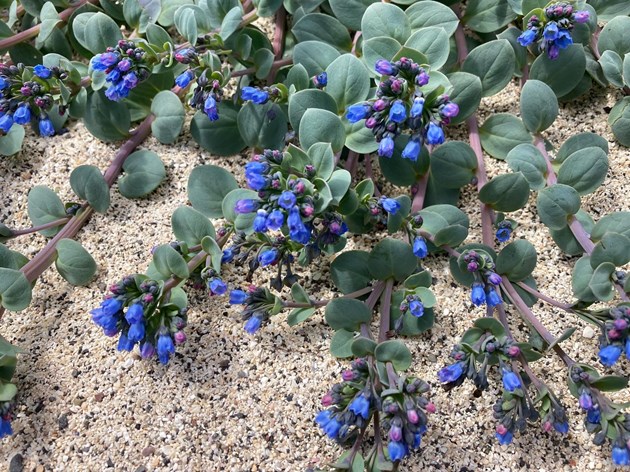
<point>551,32</point>
<point>527,37</point>
<point>238,297</point>
<point>360,406</point>
<point>5,427</point>
<point>510,380</point>
<point>135,313</point>
<point>268,257</point>
<point>246,205</point>
<point>435,135</point>
<point>420,247</point>
<point>136,332</point>
<point>398,112</point>
<point>384,67</point>
<point>451,373</point>
<point>417,107</point>
<point>275,220</point>
<point>620,455</point>
<point>412,150</point>
<point>505,438</point>
<point>503,234</point>
<point>287,199</point>
<point>477,295</point>
<point>124,343</point>
<point>22,115</point>
<point>46,127</point>
<point>562,428</point>
<point>386,147</point>
<point>390,205</point>
<point>6,122</point>
<point>609,355</point>
<point>416,308</point>
<point>260,222</point>
<point>396,450</point>
<point>492,297</point>
<point>357,112</point>
<point>165,347</point>
<point>217,286</point>
<point>210,108</point>
<point>253,324</point>
<point>183,79</point>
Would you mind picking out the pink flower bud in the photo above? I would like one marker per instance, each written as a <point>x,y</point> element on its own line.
<point>547,426</point>
<point>412,416</point>
<point>430,408</point>
<point>327,400</point>
<point>179,337</point>
<point>513,351</point>
<point>347,375</point>
<point>614,334</point>
<point>501,429</point>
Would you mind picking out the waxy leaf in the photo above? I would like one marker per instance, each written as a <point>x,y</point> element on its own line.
<point>105,119</point>
<point>600,283</point>
<point>539,106</point>
<point>349,271</point>
<point>322,28</point>
<point>584,170</point>
<point>350,12</point>
<point>74,263</point>
<point>191,226</point>
<point>207,187</point>
<point>619,121</point>
<point>528,160</point>
<point>501,132</point>
<point>11,142</point>
<point>506,192</point>
<point>319,126</point>
<point>467,92</point>
<point>220,137</point>
<point>262,126</point>
<point>517,260</point>
<point>578,142</point>
<point>347,313</point>
<point>169,262</point>
<point>307,99</point>
<point>169,116</point>
<point>493,62</point>
<point>348,81</point>
<point>556,203</point>
<point>614,248</point>
<point>314,56</point>
<point>88,183</point>
<point>429,13</point>
<point>392,258</point>
<point>486,16</point>
<point>616,222</point>
<point>394,351</point>
<point>433,42</point>
<point>385,19</point>
<point>341,344</point>
<point>44,206</point>
<point>143,173</point>
<point>15,289</point>
<point>561,74</point>
<point>580,279</point>
<point>614,36</point>
<point>454,164</point>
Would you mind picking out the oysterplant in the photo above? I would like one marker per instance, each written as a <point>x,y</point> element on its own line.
<point>335,83</point>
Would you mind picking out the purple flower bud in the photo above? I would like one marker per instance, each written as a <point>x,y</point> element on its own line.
<point>581,16</point>
<point>384,67</point>
<point>179,337</point>
<point>450,110</point>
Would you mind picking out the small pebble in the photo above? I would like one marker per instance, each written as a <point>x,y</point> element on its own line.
<point>148,451</point>
<point>588,333</point>
<point>16,464</point>
<point>63,422</point>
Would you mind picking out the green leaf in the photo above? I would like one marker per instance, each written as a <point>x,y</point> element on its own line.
<point>580,279</point>
<point>186,23</point>
<point>429,13</point>
<point>528,160</point>
<point>15,289</point>
<point>169,117</point>
<point>74,263</point>
<point>44,206</point>
<point>7,392</point>
<point>614,36</point>
<point>616,222</point>
<point>501,132</point>
<point>566,334</point>
<point>322,28</point>
<point>11,259</point>
<point>612,68</point>
<point>401,171</point>
<point>420,279</point>
<point>584,170</point>
<point>347,313</point>
<point>299,294</point>
<point>220,137</point>
<point>578,142</point>
<point>609,383</point>
<point>561,74</point>
<point>380,47</point>
<point>101,32</point>
<point>362,347</point>
<point>392,258</point>
<point>492,325</point>
<point>467,92</point>
<point>314,56</point>
<point>209,245</point>
<point>341,344</point>
<point>262,126</point>
<point>539,106</point>
<point>385,19</point>
<point>207,187</point>
<point>349,271</point>
<point>348,81</point>
<point>600,283</point>
<point>89,184</point>
<point>319,126</point>
<point>556,203</point>
<point>609,9</point>
<point>170,262</point>
<point>299,315</point>
<point>105,119</point>
<point>565,239</point>
<point>191,226</point>
<point>49,21</point>
<point>486,16</point>
<point>493,62</point>
<point>454,164</point>
<point>506,192</point>
<point>231,22</point>
<point>394,351</point>
<point>619,121</point>
<point>310,98</point>
<point>143,173</point>
<point>517,260</point>
<point>350,12</point>
<point>614,248</point>
<point>322,159</point>
<point>433,42</point>
<point>11,142</point>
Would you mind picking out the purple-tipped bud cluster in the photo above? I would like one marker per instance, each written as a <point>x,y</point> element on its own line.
<point>615,338</point>
<point>400,106</point>
<point>155,329</point>
<point>553,31</point>
<point>413,305</point>
<point>125,67</point>
<point>257,305</point>
<point>484,291</point>
<point>207,96</point>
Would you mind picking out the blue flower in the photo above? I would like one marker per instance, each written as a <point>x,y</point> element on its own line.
<point>22,115</point>
<point>136,332</point>
<point>106,316</point>
<point>492,297</point>
<point>527,37</point>
<point>360,406</point>
<point>510,380</point>
<point>417,107</point>
<point>416,308</point>
<point>435,135</point>
<point>477,295</point>
<point>256,181</point>
<point>562,428</point>
<point>609,355</point>
<point>228,255</point>
<point>130,80</point>
<point>108,59</point>
<point>585,400</point>
<point>550,32</point>
<point>4,82</point>
<point>135,313</point>
<point>593,416</point>
<point>420,247</point>
<point>628,348</point>
<point>6,122</point>
<point>113,76</point>
<point>386,147</point>
<point>506,438</point>
<point>42,72</point>
<point>398,112</point>
<point>256,168</point>
<point>450,110</point>
<point>384,67</point>
<point>451,373</point>
<point>564,39</point>
<point>412,150</point>
<point>396,450</point>
<point>238,297</point>
<point>246,205</point>
<point>217,286</point>
<point>268,257</point>
<point>210,108</point>
<point>298,232</point>
<point>620,455</point>
<point>124,343</point>
<point>183,79</point>
<point>260,222</point>
<point>287,199</point>
<point>112,94</point>
<point>321,80</point>
<point>257,96</point>
<point>5,427</point>
<point>322,418</point>
<point>275,220</point>
<point>253,324</point>
<point>494,278</point>
<point>165,347</point>
<point>357,112</point>
<point>124,65</point>
<point>46,127</point>
<point>390,205</point>
<point>503,234</point>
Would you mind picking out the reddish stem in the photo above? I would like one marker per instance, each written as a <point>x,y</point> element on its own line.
<point>278,40</point>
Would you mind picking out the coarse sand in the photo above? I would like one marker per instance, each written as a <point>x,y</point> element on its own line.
<point>234,402</point>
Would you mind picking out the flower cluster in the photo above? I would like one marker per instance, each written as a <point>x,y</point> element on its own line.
<point>287,202</point>
<point>412,304</point>
<point>401,105</point>
<point>553,31</point>
<point>615,337</point>
<point>349,404</point>
<point>485,289</point>
<point>206,96</point>
<point>155,328</point>
<point>553,413</point>
<point>258,305</point>
<point>405,418</point>
<point>257,95</point>
<point>125,67</point>
<point>513,409</point>
<point>25,96</point>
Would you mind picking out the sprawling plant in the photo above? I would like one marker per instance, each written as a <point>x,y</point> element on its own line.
<point>335,83</point>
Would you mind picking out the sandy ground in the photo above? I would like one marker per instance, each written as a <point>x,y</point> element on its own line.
<point>230,401</point>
